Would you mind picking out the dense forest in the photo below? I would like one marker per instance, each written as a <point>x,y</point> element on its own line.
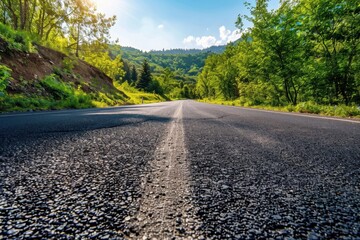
<point>174,71</point>
<point>306,51</point>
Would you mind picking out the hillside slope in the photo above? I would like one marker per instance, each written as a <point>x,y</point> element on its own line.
<point>31,68</point>
<point>47,79</point>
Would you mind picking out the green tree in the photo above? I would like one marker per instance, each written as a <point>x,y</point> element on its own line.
<point>127,70</point>
<point>85,25</point>
<point>134,75</point>
<point>145,77</point>
<point>333,29</point>
<point>167,78</point>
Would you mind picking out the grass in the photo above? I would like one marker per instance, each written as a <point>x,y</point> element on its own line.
<point>17,40</point>
<point>63,95</point>
<point>138,97</point>
<point>5,78</point>
<point>303,107</point>
<point>60,96</point>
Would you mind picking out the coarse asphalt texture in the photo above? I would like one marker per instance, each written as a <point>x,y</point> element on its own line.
<point>178,170</point>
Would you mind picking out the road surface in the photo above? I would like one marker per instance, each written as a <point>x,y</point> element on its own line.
<point>178,170</point>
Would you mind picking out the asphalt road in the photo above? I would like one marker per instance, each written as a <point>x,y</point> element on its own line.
<point>178,170</point>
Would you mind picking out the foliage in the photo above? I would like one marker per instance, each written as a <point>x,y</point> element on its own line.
<point>303,107</point>
<point>169,67</point>
<point>5,78</point>
<point>183,62</point>
<point>68,64</point>
<point>111,67</point>
<point>17,40</point>
<point>138,97</point>
<point>51,21</point>
<point>75,28</point>
<point>145,77</point>
<point>304,51</point>
<point>58,89</point>
<point>133,76</point>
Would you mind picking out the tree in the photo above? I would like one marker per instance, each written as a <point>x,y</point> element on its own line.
<point>127,70</point>
<point>167,77</point>
<point>333,29</point>
<point>134,76</point>
<point>74,23</point>
<point>145,77</point>
<point>85,25</point>
<point>306,50</point>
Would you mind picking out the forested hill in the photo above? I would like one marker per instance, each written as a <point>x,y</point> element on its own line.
<point>213,49</point>
<point>175,70</point>
<point>183,61</point>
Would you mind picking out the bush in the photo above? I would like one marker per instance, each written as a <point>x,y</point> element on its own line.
<point>68,64</point>
<point>155,87</point>
<point>5,78</point>
<point>346,111</point>
<point>58,89</point>
<point>290,108</point>
<point>65,95</point>
<point>18,40</point>
<point>308,107</point>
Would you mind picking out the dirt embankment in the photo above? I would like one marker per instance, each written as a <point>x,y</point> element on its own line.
<point>29,68</point>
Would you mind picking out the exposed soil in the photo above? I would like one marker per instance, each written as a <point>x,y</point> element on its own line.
<point>30,68</point>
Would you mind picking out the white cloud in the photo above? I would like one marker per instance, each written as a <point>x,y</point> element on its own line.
<point>225,36</point>
<point>189,40</point>
<point>161,26</point>
<point>206,41</point>
<point>224,33</point>
<point>235,35</point>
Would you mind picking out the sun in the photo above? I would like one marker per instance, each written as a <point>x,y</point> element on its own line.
<point>122,9</point>
<point>111,6</point>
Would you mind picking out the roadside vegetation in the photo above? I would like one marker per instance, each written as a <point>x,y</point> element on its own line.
<point>302,57</point>
<point>35,77</point>
<point>303,107</point>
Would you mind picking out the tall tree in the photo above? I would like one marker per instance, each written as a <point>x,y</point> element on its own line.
<point>167,77</point>
<point>127,70</point>
<point>134,75</point>
<point>306,50</point>
<point>145,77</point>
<point>85,25</point>
<point>333,28</point>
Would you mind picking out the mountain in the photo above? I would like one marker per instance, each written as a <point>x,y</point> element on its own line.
<point>177,51</point>
<point>186,64</point>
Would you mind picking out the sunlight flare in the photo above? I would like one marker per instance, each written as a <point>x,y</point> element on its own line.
<point>111,6</point>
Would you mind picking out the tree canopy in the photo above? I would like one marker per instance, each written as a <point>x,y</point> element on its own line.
<point>303,51</point>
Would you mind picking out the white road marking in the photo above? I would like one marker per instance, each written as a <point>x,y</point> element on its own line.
<point>166,208</point>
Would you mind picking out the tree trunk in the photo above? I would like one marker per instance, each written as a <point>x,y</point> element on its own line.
<point>78,41</point>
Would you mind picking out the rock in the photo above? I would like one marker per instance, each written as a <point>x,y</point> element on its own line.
<point>276,217</point>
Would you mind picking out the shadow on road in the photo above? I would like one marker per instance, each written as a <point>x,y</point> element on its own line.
<point>71,122</point>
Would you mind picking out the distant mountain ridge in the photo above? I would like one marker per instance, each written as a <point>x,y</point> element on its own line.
<point>177,51</point>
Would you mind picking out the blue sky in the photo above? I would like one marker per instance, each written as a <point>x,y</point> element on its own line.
<point>164,24</point>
